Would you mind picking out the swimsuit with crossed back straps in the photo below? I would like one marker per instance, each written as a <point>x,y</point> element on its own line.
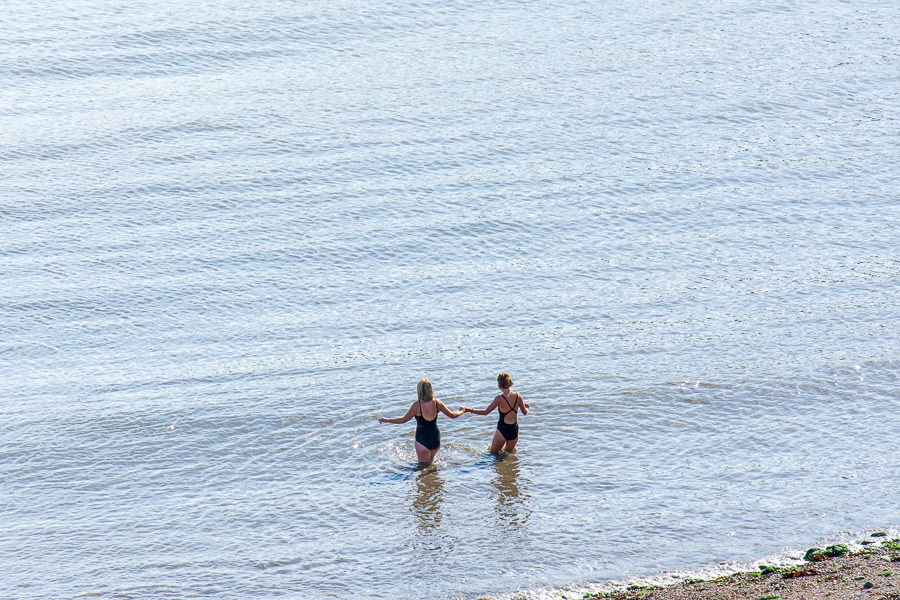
<point>427,432</point>
<point>509,431</point>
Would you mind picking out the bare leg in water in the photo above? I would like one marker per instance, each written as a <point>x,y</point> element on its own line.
<point>501,443</point>
<point>424,454</point>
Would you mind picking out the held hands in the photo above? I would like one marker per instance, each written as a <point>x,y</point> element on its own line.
<point>382,420</point>
<point>464,409</point>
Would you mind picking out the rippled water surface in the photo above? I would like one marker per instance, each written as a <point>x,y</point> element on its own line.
<point>233,235</point>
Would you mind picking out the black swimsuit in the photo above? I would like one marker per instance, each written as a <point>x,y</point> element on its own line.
<point>427,432</point>
<point>509,431</point>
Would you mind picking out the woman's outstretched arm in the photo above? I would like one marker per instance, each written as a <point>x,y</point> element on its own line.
<point>475,411</point>
<point>397,420</point>
<point>447,411</point>
<point>525,407</point>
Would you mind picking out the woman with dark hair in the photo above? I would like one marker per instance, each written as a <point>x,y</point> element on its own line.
<point>425,410</point>
<point>507,433</point>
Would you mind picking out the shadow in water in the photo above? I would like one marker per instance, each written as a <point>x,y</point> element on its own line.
<point>512,505</point>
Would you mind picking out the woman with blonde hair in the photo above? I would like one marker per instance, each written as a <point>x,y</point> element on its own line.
<point>507,433</point>
<point>425,410</point>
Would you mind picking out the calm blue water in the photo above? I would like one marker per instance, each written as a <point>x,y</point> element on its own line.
<point>233,235</point>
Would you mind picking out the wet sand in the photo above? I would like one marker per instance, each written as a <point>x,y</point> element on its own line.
<point>872,573</point>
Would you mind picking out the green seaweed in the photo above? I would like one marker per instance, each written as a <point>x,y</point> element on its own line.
<point>812,552</point>
<point>878,534</point>
<point>769,597</point>
<point>693,581</point>
<point>837,550</point>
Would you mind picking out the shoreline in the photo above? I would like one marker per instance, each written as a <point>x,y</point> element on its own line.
<point>864,568</point>
<point>832,572</point>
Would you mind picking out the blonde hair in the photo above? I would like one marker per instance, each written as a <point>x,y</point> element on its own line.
<point>424,390</point>
<point>504,380</point>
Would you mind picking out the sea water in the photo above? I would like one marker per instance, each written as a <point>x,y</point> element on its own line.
<point>233,235</point>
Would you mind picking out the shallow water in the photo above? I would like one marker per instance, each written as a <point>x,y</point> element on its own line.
<point>234,236</point>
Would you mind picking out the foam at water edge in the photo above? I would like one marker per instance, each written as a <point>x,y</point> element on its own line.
<point>787,557</point>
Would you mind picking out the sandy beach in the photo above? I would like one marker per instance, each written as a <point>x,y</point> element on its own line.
<point>832,572</point>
